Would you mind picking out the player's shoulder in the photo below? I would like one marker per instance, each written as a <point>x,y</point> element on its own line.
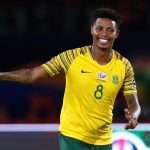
<point>81,50</point>
<point>120,57</point>
<point>71,54</point>
<point>77,51</point>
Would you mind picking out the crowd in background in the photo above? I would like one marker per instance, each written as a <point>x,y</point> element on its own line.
<point>31,32</point>
<point>65,17</point>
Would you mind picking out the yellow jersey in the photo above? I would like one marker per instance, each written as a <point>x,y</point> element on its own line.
<point>90,93</point>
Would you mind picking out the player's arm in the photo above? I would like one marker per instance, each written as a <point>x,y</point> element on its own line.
<point>133,111</point>
<point>56,65</point>
<point>25,76</point>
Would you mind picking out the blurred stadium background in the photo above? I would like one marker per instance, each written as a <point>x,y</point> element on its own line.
<point>31,32</point>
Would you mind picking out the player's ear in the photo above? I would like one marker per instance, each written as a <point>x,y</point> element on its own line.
<point>92,30</point>
<point>117,33</point>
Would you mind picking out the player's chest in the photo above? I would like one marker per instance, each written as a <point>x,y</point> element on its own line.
<point>85,72</point>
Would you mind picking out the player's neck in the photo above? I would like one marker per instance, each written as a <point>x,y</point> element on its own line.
<point>102,56</point>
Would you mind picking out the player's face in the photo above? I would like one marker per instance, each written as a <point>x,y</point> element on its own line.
<point>104,33</point>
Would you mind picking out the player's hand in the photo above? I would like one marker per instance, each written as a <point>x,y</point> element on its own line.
<point>132,120</point>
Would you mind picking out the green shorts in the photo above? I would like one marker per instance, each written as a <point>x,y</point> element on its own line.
<point>68,143</point>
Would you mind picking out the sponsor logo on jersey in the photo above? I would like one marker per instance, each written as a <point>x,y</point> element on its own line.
<point>134,84</point>
<point>102,75</point>
<point>84,71</point>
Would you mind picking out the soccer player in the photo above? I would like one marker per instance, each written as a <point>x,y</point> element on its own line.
<point>94,76</point>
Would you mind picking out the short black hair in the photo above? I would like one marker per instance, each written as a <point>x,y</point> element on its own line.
<point>106,13</point>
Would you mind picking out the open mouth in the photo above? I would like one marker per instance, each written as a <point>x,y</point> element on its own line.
<point>103,41</point>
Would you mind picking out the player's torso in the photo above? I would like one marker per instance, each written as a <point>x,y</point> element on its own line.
<point>93,82</point>
<point>89,97</point>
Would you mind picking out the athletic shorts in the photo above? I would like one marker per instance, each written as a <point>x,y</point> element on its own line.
<point>69,143</point>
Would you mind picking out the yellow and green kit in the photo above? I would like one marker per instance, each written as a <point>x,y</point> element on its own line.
<point>90,92</point>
